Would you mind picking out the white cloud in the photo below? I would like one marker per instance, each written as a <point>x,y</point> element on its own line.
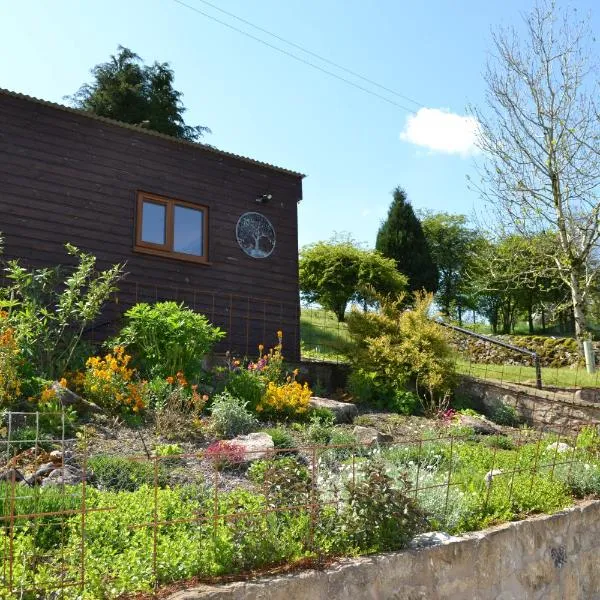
<point>440,130</point>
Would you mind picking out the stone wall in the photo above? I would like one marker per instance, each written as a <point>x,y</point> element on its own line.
<point>549,557</point>
<point>560,411</point>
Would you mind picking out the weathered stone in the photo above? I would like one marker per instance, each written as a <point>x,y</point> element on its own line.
<point>480,425</point>
<point>13,475</point>
<point>45,469</point>
<point>370,436</point>
<point>432,538</point>
<point>56,456</point>
<point>255,445</point>
<point>514,561</point>
<point>344,412</point>
<point>68,398</point>
<point>559,447</point>
<point>66,475</point>
<point>489,476</point>
<point>588,395</point>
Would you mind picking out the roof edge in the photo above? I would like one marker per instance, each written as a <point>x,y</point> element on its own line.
<point>150,132</point>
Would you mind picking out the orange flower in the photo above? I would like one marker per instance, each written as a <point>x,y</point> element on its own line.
<point>170,380</point>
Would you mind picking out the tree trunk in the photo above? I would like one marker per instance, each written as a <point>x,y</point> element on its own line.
<point>578,311</point>
<point>459,308</point>
<point>530,319</point>
<point>543,319</point>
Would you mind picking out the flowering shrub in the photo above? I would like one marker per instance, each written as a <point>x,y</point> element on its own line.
<point>10,359</point>
<point>269,366</point>
<point>109,383</point>
<point>286,400</point>
<point>174,393</point>
<point>223,454</point>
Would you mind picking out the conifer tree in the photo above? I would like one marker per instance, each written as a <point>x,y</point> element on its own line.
<point>401,237</point>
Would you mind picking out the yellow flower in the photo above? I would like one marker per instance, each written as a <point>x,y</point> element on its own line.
<point>279,334</point>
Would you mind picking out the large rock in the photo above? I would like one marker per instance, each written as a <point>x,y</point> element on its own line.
<point>369,436</point>
<point>431,538</point>
<point>66,475</point>
<point>344,412</point>
<point>255,445</point>
<point>69,398</point>
<point>12,475</point>
<point>480,425</point>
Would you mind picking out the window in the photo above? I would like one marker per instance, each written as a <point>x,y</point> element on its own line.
<point>169,227</point>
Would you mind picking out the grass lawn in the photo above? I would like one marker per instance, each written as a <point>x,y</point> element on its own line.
<point>551,377</point>
<point>323,337</point>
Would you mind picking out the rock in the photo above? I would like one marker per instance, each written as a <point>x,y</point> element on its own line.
<point>559,447</point>
<point>256,445</point>
<point>344,412</point>
<point>489,476</point>
<point>480,425</point>
<point>69,398</point>
<point>56,456</point>
<point>432,538</point>
<point>369,436</point>
<point>12,475</point>
<point>64,476</point>
<point>588,395</point>
<point>44,470</point>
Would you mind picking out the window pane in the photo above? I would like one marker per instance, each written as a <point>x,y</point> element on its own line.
<point>188,230</point>
<point>153,222</point>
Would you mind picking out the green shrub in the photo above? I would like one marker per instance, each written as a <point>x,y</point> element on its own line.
<point>282,438</point>
<point>320,427</point>
<point>583,479</point>
<point>230,417</point>
<point>504,414</point>
<point>26,437</point>
<point>122,474</point>
<point>380,515</point>
<point>50,310</point>
<point>499,441</point>
<point>166,338</point>
<point>396,347</point>
<point>246,386</point>
<point>283,480</point>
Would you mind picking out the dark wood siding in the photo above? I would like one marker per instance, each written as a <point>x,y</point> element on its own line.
<point>65,177</point>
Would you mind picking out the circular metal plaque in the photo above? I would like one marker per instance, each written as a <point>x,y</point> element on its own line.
<point>255,235</point>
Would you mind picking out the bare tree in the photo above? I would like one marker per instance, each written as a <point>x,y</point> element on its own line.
<point>541,139</point>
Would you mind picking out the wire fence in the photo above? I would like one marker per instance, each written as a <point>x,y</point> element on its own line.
<point>75,522</point>
<point>546,362</point>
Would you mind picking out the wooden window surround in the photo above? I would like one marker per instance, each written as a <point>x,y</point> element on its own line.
<point>171,228</point>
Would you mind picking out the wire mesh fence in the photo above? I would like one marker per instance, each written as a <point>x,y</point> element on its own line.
<point>76,522</point>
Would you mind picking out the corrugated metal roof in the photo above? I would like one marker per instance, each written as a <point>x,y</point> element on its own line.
<point>144,131</point>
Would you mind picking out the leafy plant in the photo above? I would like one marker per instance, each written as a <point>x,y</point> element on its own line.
<point>230,416</point>
<point>10,363</point>
<point>167,338</point>
<point>247,386</point>
<point>283,480</point>
<point>108,381</point>
<point>282,438</point>
<point>320,427</point>
<point>223,454</point>
<point>380,515</point>
<point>397,347</point>
<point>50,313</point>
<point>124,474</point>
<point>289,399</point>
<point>504,414</point>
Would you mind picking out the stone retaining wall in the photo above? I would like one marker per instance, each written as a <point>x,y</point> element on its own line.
<point>559,411</point>
<point>548,557</point>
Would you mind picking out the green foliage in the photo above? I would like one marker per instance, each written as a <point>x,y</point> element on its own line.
<point>27,437</point>
<point>499,441</point>
<point>124,474</point>
<point>453,246</point>
<point>50,311</point>
<point>334,273</point>
<point>230,416</point>
<point>505,414</point>
<point>396,346</point>
<point>370,388</point>
<point>247,386</point>
<point>320,427</point>
<point>380,514</point>
<point>282,438</point>
<point>166,338</point>
<point>127,90</point>
<point>582,479</point>
<point>284,481</point>
<point>401,238</point>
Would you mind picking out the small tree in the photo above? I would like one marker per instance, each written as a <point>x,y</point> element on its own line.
<point>453,248</point>
<point>541,139</point>
<point>401,238</point>
<point>127,90</point>
<point>336,272</point>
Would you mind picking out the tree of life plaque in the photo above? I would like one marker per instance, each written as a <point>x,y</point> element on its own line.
<point>255,235</point>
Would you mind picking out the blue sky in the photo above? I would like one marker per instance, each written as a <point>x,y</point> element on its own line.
<point>265,105</point>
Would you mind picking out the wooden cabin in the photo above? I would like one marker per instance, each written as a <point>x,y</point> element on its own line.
<point>195,224</point>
